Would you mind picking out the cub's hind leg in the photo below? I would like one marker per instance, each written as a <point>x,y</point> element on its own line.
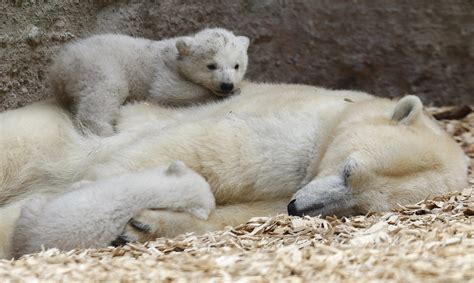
<point>96,107</point>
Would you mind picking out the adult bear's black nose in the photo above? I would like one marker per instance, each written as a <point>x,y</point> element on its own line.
<point>227,87</point>
<point>292,208</point>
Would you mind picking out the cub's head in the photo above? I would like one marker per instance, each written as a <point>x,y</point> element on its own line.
<point>382,154</point>
<point>215,59</point>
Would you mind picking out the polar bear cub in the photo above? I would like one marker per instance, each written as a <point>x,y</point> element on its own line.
<point>93,77</point>
<point>95,213</point>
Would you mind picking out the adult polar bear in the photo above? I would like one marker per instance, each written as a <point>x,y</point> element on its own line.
<point>332,152</point>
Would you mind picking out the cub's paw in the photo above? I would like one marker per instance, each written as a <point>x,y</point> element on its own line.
<point>98,128</point>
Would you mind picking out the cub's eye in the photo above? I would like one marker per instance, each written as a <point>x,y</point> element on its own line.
<point>212,66</point>
<point>236,66</point>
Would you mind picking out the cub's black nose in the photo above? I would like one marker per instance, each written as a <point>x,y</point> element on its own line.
<point>292,209</point>
<point>227,87</point>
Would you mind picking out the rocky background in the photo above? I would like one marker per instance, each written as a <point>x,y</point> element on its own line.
<point>389,48</point>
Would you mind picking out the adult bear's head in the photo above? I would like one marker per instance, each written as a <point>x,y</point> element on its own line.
<point>384,153</point>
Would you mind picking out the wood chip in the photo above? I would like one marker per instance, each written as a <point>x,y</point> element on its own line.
<point>455,113</point>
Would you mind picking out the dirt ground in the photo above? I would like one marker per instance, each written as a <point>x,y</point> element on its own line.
<point>430,241</point>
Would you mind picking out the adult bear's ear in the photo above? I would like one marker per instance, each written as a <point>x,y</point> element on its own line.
<point>245,41</point>
<point>184,46</point>
<point>407,110</point>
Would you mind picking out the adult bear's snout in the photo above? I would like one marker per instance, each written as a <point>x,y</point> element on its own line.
<point>292,209</point>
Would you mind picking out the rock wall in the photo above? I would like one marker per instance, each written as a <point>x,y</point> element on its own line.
<point>389,48</point>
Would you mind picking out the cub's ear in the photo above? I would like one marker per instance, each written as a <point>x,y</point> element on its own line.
<point>184,46</point>
<point>407,110</point>
<point>177,168</point>
<point>245,41</point>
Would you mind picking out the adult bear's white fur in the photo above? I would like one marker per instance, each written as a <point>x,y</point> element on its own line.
<point>333,152</point>
<point>94,76</point>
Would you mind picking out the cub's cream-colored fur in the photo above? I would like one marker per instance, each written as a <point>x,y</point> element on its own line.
<point>92,213</point>
<point>94,76</point>
<point>318,151</point>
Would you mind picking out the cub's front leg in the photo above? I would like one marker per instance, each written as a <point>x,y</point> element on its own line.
<point>171,89</point>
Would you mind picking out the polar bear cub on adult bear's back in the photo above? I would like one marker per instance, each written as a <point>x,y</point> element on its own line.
<point>96,75</point>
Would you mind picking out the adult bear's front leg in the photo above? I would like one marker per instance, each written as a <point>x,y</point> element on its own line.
<point>149,224</point>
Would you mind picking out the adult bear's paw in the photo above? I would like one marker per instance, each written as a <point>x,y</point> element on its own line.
<point>150,224</point>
